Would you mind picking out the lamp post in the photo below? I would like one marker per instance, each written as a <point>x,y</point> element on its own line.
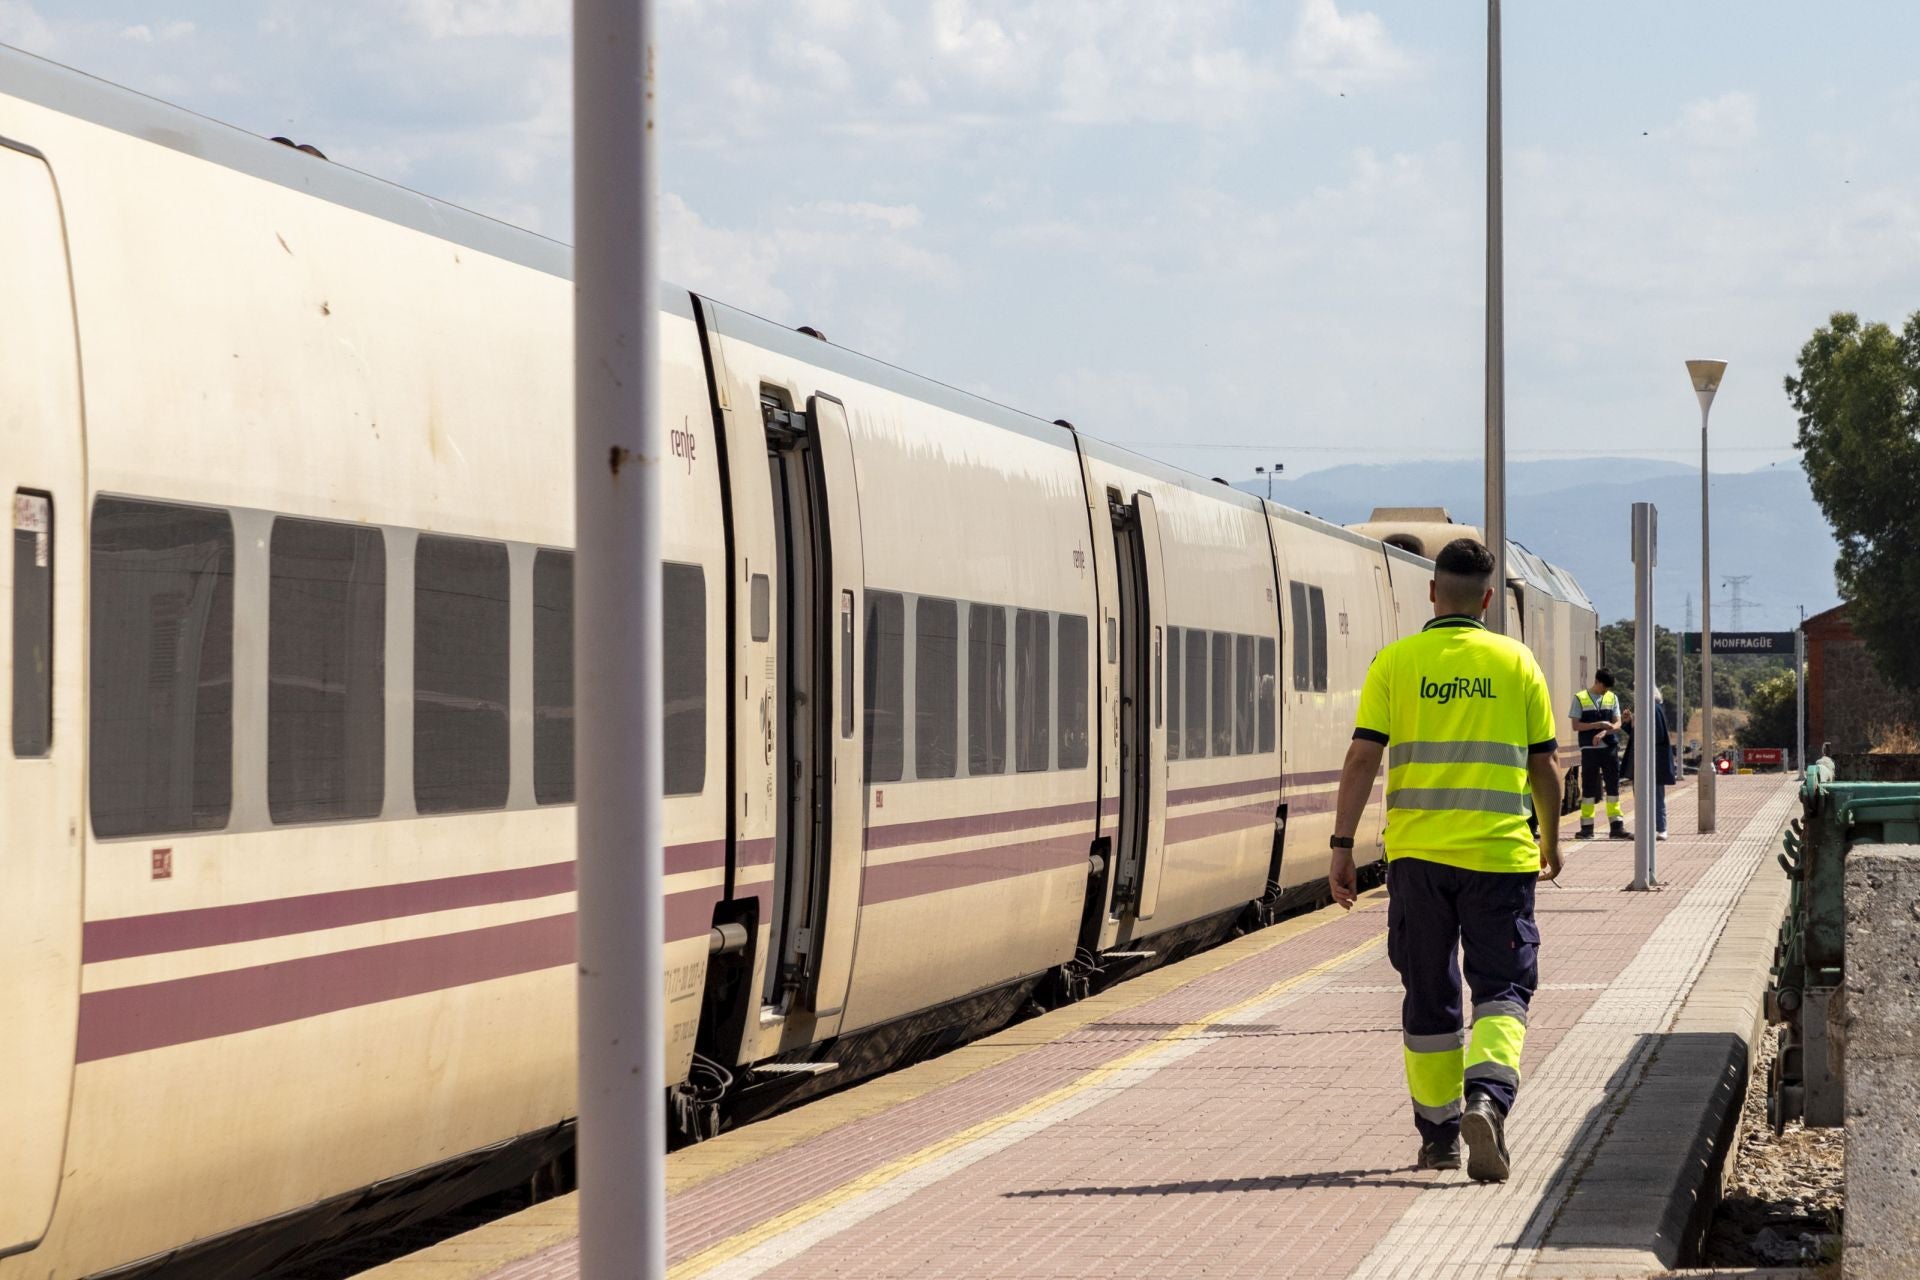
<point>1270,473</point>
<point>1496,391</point>
<point>1706,375</point>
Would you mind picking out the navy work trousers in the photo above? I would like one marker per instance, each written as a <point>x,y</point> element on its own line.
<point>1435,914</point>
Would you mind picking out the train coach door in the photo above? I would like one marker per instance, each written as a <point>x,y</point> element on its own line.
<point>818,731</point>
<point>41,647</point>
<point>1143,733</point>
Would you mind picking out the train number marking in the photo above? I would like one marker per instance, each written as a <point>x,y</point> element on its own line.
<point>163,864</point>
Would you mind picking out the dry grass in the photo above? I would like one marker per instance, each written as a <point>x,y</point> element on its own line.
<point>1896,738</point>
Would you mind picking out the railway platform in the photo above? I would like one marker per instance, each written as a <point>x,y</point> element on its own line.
<point>1243,1112</point>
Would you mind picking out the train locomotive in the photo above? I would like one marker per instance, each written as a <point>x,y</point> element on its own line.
<point>965,709</point>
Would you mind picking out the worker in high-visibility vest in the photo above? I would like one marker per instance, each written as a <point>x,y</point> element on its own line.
<point>1465,721</point>
<point>1595,717</point>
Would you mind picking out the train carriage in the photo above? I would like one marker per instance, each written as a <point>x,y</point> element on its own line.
<point>963,707</point>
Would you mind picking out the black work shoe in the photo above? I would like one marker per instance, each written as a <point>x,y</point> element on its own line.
<point>1584,833</point>
<point>1440,1155</point>
<point>1484,1129</point>
<point>1618,831</point>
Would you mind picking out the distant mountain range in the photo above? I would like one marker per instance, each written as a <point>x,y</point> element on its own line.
<point>1766,527</point>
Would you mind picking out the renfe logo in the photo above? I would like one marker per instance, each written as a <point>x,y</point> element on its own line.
<point>1445,691</point>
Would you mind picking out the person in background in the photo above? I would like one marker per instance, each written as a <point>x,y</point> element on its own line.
<point>1595,717</point>
<point>1626,734</point>
<point>1665,773</point>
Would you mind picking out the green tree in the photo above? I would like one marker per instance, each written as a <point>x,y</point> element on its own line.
<point>1771,718</point>
<point>1858,399</point>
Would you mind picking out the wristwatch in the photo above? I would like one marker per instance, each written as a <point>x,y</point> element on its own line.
<point>1340,842</point>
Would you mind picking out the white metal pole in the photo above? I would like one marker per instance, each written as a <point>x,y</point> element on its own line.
<point>1496,390</point>
<point>1645,784</point>
<point>617,642</point>
<point>1708,774</point>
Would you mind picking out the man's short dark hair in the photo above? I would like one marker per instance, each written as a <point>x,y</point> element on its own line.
<point>1464,558</point>
<point>1603,676</point>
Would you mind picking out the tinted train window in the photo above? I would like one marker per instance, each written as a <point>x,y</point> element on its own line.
<point>1174,678</point>
<point>1244,683</point>
<point>1222,694</point>
<point>1302,617</point>
<point>936,688</point>
<point>161,656</point>
<point>326,671</point>
<point>553,677</point>
<point>683,677</point>
<point>1319,601</point>
<point>460,642</point>
<point>32,623</point>
<point>1266,695</point>
<point>1032,696</point>
<point>1196,735</point>
<point>986,689</point>
<point>1072,684</point>
<point>886,685</point>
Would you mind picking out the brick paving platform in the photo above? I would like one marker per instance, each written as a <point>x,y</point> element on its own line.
<point>1243,1113</point>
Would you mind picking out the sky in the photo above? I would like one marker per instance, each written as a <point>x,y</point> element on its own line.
<point>1224,233</point>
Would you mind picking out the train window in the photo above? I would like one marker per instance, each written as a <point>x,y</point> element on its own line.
<point>1319,600</point>
<point>986,689</point>
<point>936,689</point>
<point>760,606</point>
<point>683,678</point>
<point>1302,617</point>
<point>460,643</point>
<point>846,667</point>
<point>160,653</point>
<point>1244,684</point>
<point>1156,677</point>
<point>1196,740</point>
<point>886,685</point>
<point>1173,693</point>
<point>553,677</point>
<point>1222,694</point>
<point>1032,701</point>
<point>32,623</point>
<point>1266,677</point>
<point>1071,751</point>
<point>326,671</point>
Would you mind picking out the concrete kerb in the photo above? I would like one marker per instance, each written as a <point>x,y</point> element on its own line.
<point>1659,1169</point>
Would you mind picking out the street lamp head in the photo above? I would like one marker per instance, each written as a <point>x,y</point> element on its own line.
<point>1706,375</point>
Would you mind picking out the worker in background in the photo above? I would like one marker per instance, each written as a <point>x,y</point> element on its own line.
<point>1465,721</point>
<point>1595,717</point>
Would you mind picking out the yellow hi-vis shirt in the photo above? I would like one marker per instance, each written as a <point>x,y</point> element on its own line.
<point>1459,709</point>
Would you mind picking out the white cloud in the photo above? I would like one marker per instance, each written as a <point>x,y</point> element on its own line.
<point>23,27</point>
<point>1337,52</point>
<point>444,18</point>
<point>727,264</point>
<point>141,33</point>
<point>897,217</point>
<point>1728,122</point>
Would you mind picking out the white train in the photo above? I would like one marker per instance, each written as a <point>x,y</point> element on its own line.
<point>961,703</point>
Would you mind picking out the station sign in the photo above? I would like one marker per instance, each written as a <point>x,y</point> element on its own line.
<point>1773,756</point>
<point>1739,642</point>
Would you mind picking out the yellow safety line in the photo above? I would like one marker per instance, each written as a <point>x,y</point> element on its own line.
<point>734,1246</point>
